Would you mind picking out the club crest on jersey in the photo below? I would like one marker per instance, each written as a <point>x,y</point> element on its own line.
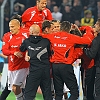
<point>14,46</point>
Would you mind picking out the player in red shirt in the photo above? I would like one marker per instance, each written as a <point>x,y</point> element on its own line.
<point>18,67</point>
<point>61,42</point>
<point>36,14</point>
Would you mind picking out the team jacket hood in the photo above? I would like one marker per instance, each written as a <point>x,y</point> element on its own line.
<point>35,39</point>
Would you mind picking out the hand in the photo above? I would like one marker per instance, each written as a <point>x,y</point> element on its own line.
<point>18,54</point>
<point>27,58</point>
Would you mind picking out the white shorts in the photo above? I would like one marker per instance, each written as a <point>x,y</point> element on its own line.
<point>17,77</point>
<point>65,89</point>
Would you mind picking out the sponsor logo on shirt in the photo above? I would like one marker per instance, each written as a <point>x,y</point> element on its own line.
<point>59,45</point>
<point>18,38</point>
<point>58,37</point>
<point>34,49</point>
<point>14,46</point>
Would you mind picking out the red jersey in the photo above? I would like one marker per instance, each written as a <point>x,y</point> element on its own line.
<point>34,16</point>
<point>61,43</point>
<point>87,62</point>
<point>11,43</point>
<point>78,53</point>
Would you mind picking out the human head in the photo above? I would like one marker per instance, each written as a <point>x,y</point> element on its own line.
<point>56,24</point>
<point>97,25</point>
<point>41,4</point>
<point>77,22</point>
<point>47,27</point>
<point>65,26</point>
<point>67,8</point>
<point>34,30</point>
<point>95,32</point>
<point>55,9</point>
<point>18,17</point>
<point>14,26</point>
<point>75,30</point>
<point>88,13</point>
<point>16,7</point>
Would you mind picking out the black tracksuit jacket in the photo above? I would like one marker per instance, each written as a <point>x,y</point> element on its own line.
<point>38,49</point>
<point>94,50</point>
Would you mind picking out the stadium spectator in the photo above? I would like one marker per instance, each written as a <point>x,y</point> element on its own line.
<point>57,3</point>
<point>77,9</point>
<point>6,16</point>
<point>1,1</point>
<point>50,5</point>
<point>68,15</point>
<point>98,9</point>
<point>18,9</point>
<point>90,5</point>
<point>88,19</point>
<point>64,3</point>
<point>56,14</point>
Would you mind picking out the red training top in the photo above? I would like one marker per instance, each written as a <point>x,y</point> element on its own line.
<point>11,43</point>
<point>61,43</point>
<point>34,16</point>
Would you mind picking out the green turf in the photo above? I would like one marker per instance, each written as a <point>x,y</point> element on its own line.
<point>12,97</point>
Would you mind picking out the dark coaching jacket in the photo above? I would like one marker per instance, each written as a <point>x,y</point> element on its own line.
<point>94,50</point>
<point>38,49</point>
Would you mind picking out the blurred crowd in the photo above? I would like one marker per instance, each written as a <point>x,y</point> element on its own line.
<point>80,12</point>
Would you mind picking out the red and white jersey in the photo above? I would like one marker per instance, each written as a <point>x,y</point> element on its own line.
<point>62,42</point>
<point>11,43</point>
<point>34,16</point>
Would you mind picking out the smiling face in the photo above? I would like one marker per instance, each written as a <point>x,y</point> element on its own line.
<point>41,4</point>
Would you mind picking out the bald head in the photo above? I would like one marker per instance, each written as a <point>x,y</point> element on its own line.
<point>34,30</point>
<point>14,26</point>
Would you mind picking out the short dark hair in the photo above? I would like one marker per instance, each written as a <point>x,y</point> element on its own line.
<point>98,20</point>
<point>18,17</point>
<point>65,26</point>
<point>46,24</point>
<point>38,0</point>
<point>55,20</point>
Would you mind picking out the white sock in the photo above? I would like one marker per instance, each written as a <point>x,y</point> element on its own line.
<point>19,96</point>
